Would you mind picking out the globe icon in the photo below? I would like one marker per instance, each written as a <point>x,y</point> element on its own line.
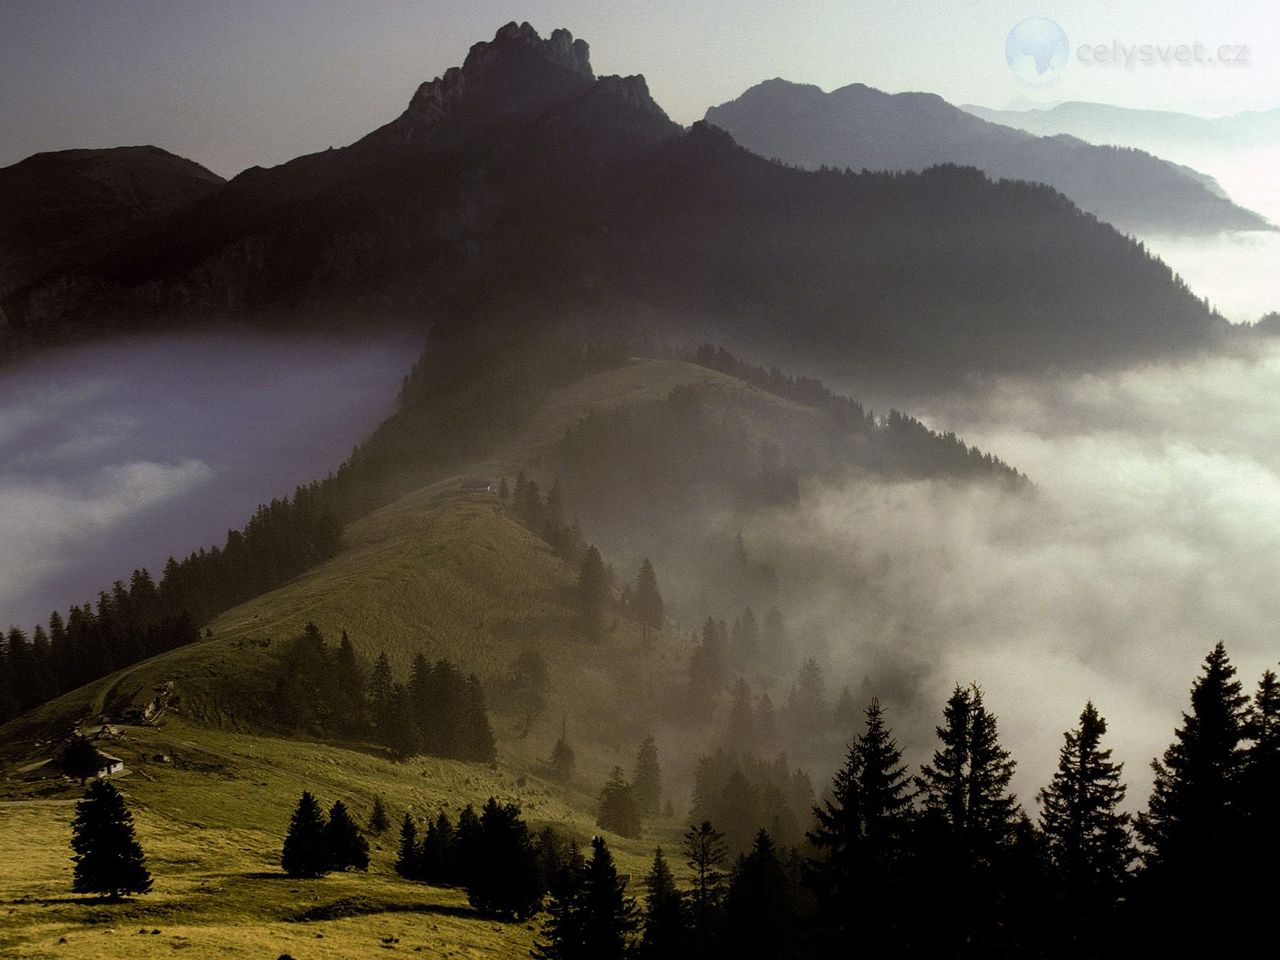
<point>1036,50</point>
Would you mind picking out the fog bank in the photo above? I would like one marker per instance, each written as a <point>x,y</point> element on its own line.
<point>118,454</point>
<point>1154,531</point>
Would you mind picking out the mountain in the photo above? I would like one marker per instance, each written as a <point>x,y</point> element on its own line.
<point>1160,131</point>
<point>71,206</point>
<point>521,189</point>
<point>863,128</point>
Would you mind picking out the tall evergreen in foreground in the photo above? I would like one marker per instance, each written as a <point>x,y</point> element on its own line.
<point>760,909</point>
<point>861,834</point>
<point>108,858</point>
<point>666,921</point>
<point>1191,829</point>
<point>591,918</point>
<point>705,853</point>
<point>964,839</point>
<point>1085,831</point>
<point>306,846</point>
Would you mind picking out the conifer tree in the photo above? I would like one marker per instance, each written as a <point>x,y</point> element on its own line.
<point>478,742</point>
<point>705,853</point>
<point>594,920</point>
<point>759,907</point>
<point>438,857</point>
<point>467,845</point>
<point>646,782</point>
<point>861,834</point>
<point>81,759</point>
<point>647,601</point>
<point>399,728</point>
<point>348,849</point>
<point>306,850</point>
<point>1191,828</point>
<point>379,822</point>
<point>967,782</point>
<point>408,864</point>
<point>593,595</point>
<point>562,936</point>
<point>666,921</point>
<point>1086,832</point>
<point>618,810</point>
<point>504,879</point>
<point>108,858</point>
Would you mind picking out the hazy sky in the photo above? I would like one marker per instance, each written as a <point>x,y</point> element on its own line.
<point>232,83</point>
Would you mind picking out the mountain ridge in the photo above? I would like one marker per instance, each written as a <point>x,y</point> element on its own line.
<point>864,128</point>
<point>523,188</point>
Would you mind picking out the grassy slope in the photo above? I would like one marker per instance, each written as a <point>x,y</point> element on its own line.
<point>441,572</point>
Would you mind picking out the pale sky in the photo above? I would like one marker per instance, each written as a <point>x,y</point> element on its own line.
<point>232,83</point>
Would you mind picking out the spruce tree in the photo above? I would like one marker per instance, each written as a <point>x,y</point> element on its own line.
<point>617,807</point>
<point>967,783</point>
<point>379,822</point>
<point>438,857</point>
<point>646,782</point>
<point>593,919</point>
<point>647,601</point>
<point>306,850</point>
<point>1086,832</point>
<point>593,595</point>
<point>1191,828</point>
<point>759,907</point>
<point>504,879</point>
<point>348,849</point>
<point>80,759</point>
<point>861,833</point>
<point>108,859</point>
<point>408,864</point>
<point>705,853</point>
<point>666,921</point>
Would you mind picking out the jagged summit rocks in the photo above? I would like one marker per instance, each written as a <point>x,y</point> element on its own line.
<point>515,74</point>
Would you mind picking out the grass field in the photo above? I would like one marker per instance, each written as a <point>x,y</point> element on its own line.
<point>442,572</point>
<point>211,821</point>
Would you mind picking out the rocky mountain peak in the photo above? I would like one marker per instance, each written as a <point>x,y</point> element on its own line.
<point>517,73</point>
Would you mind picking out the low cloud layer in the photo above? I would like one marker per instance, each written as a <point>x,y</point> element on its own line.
<point>119,454</point>
<point>1154,531</point>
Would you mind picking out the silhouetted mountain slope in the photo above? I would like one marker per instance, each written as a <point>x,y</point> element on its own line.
<point>72,205</point>
<point>859,127</point>
<point>1156,130</point>
<point>522,189</point>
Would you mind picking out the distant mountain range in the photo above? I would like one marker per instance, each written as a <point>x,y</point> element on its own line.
<point>1160,131</point>
<point>522,189</point>
<point>863,128</point>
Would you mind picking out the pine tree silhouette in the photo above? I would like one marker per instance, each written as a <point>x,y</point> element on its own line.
<point>1086,832</point>
<point>666,921</point>
<point>108,858</point>
<point>306,850</point>
<point>348,849</point>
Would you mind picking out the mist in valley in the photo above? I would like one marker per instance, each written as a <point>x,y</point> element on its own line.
<point>117,454</point>
<point>1150,534</point>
